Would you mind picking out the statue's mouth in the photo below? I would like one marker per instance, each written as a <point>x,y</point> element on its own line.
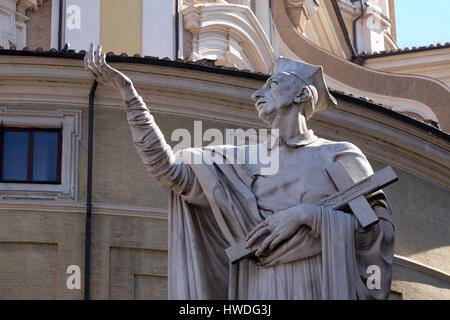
<point>259,104</point>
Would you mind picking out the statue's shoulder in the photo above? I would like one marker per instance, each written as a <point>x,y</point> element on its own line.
<point>338,146</point>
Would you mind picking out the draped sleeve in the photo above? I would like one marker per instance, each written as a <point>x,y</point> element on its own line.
<point>373,245</point>
<point>169,170</point>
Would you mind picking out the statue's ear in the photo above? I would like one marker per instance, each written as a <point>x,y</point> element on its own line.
<point>303,95</point>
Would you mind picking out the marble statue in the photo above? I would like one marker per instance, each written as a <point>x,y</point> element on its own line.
<point>296,247</point>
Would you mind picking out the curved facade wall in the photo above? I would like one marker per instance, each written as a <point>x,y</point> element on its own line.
<point>40,238</point>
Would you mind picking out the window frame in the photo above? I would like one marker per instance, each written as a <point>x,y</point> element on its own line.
<point>30,156</point>
<point>70,123</point>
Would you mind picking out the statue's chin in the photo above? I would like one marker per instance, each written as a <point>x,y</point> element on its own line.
<point>269,116</point>
<point>266,118</point>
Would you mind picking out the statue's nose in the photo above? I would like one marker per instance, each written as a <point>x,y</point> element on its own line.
<point>256,95</point>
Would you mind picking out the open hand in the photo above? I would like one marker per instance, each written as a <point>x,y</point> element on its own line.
<point>281,226</point>
<point>95,62</point>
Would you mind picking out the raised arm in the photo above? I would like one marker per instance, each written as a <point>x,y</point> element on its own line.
<point>168,170</point>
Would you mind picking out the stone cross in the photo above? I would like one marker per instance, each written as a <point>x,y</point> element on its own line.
<point>351,193</point>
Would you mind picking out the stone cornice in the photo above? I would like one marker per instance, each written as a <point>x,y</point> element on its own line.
<point>407,51</point>
<point>411,264</point>
<point>21,17</point>
<point>80,208</point>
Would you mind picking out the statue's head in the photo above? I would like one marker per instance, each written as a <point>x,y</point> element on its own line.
<point>293,84</point>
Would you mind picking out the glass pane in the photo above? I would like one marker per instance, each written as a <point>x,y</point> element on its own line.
<point>45,156</point>
<point>15,156</point>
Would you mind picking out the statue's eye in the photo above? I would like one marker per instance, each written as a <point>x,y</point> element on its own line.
<point>271,83</point>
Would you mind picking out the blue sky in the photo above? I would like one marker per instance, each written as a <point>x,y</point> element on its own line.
<point>422,22</point>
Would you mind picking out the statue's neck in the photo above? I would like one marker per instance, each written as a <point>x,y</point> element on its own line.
<point>290,123</point>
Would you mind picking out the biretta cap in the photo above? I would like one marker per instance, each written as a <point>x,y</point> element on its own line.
<point>310,75</point>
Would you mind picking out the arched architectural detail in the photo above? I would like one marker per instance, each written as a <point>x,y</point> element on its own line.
<point>230,34</point>
<point>398,104</point>
<point>301,11</point>
<point>312,19</point>
<point>13,20</point>
<point>422,95</point>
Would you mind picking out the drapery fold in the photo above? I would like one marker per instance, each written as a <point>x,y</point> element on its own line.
<point>338,256</point>
<point>325,267</point>
<point>198,265</point>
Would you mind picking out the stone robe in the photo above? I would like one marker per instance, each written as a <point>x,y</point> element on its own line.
<point>213,205</point>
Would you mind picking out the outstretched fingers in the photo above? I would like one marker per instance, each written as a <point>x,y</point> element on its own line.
<point>87,63</point>
<point>97,54</point>
<point>104,67</point>
<point>91,61</point>
<point>95,62</point>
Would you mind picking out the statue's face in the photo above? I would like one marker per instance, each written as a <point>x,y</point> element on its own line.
<point>277,93</point>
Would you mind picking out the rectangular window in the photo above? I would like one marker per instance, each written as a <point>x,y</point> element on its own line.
<point>30,155</point>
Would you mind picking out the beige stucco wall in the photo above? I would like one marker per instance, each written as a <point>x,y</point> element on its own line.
<point>39,239</point>
<point>119,175</point>
<point>121,26</point>
<point>420,210</point>
<point>39,26</point>
<point>430,63</point>
<point>35,249</point>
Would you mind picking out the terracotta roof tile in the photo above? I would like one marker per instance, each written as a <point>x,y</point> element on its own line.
<point>385,53</point>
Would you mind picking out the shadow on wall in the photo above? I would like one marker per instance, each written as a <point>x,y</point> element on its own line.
<point>420,215</point>
<point>422,286</point>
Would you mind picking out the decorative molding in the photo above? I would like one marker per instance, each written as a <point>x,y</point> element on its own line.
<point>70,122</point>
<point>373,28</point>
<point>15,17</point>
<point>241,2</point>
<point>325,33</point>
<point>28,4</point>
<point>230,34</point>
<point>312,19</point>
<point>411,264</point>
<point>8,18</point>
<point>80,208</point>
<point>34,206</point>
<point>301,11</point>
<point>187,3</point>
<point>395,103</point>
<point>347,8</point>
<point>142,212</point>
<point>386,140</point>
